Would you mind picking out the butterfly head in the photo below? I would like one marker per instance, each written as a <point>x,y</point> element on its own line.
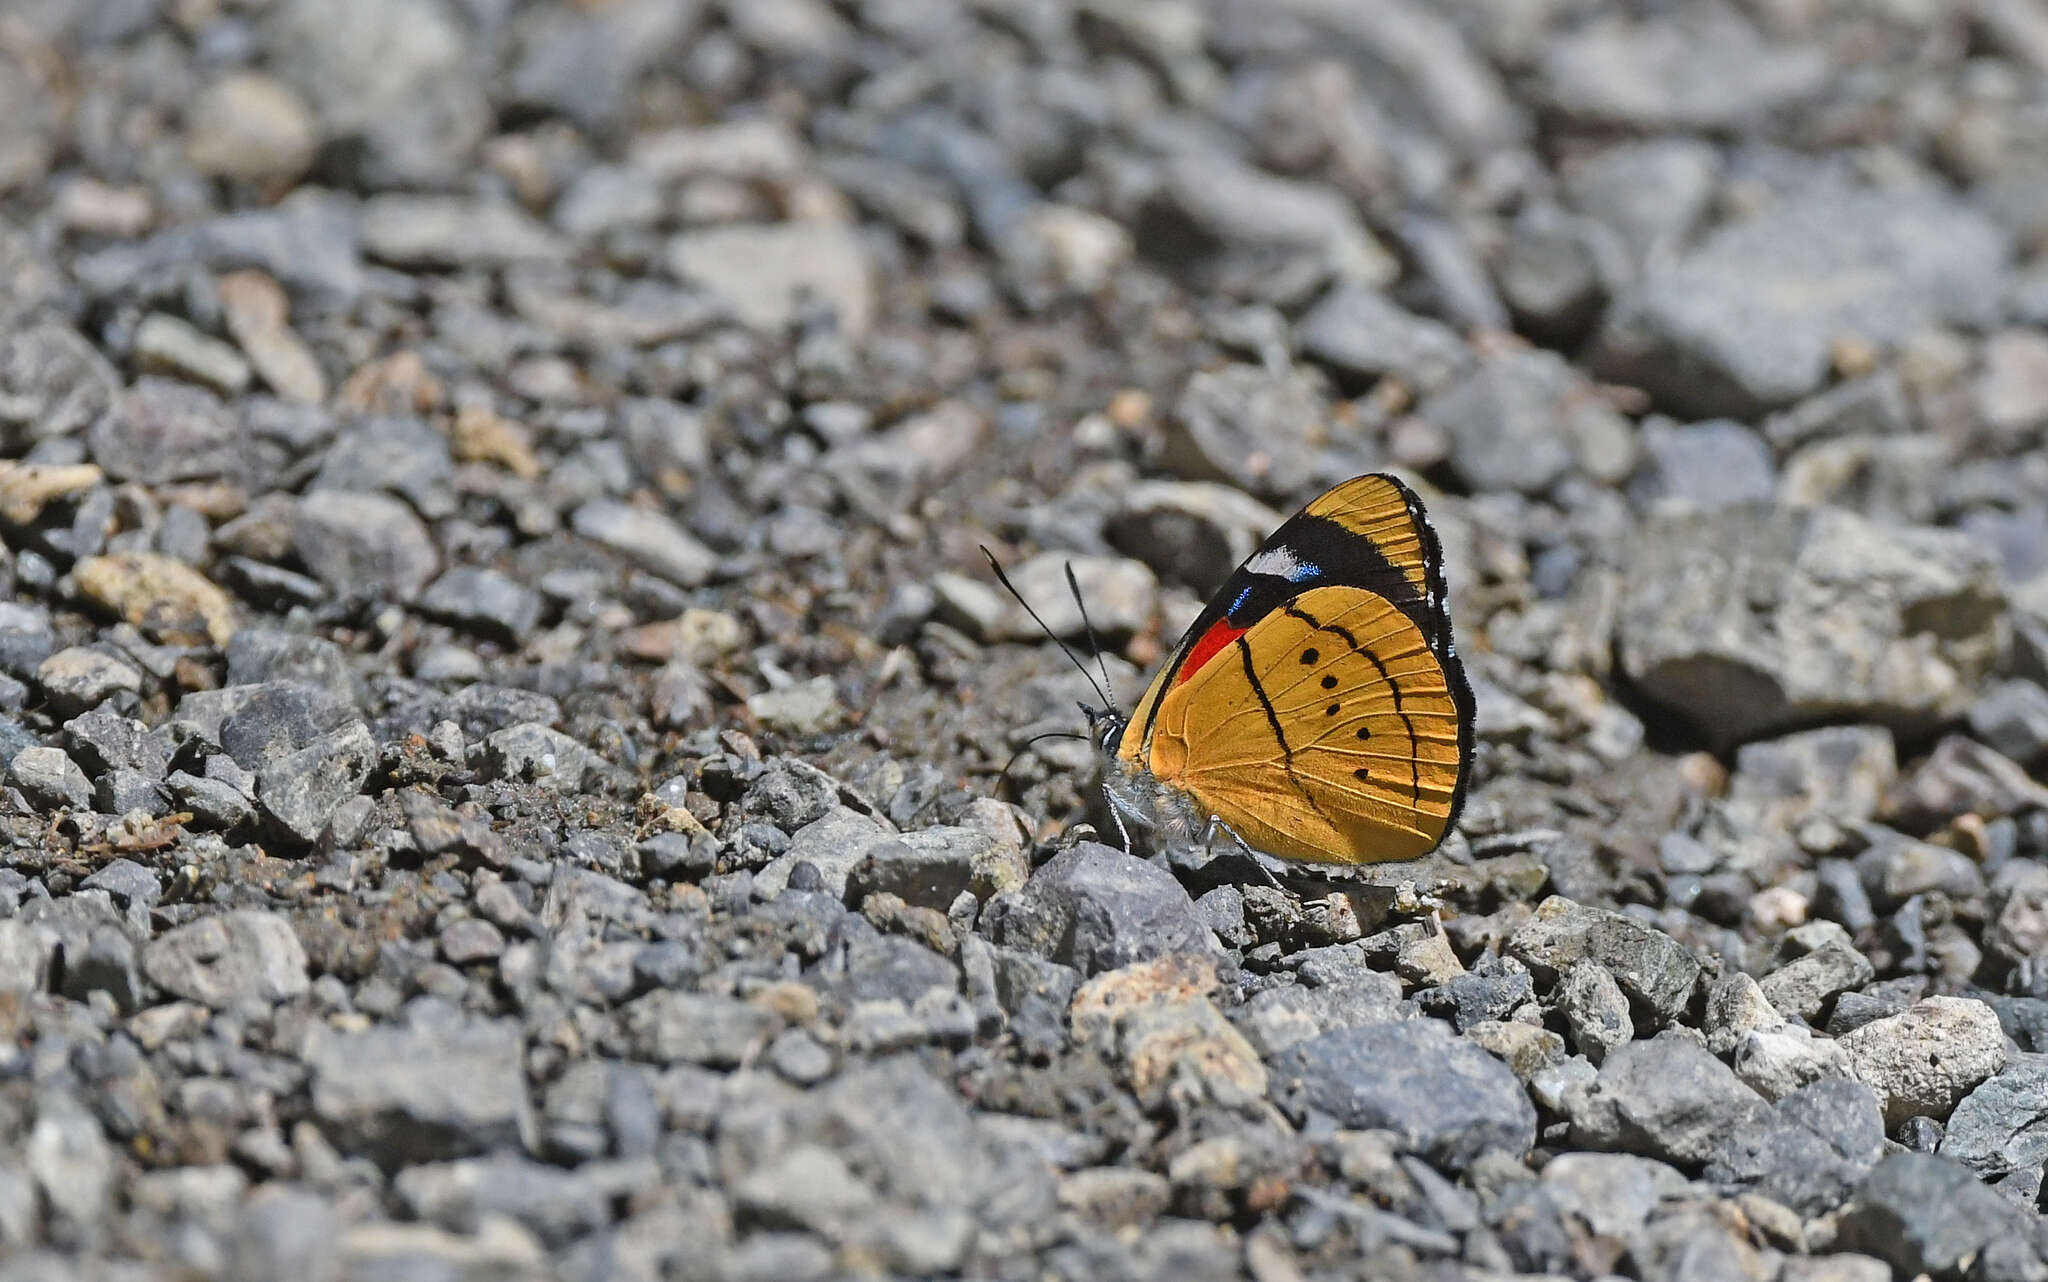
<point>1106,727</point>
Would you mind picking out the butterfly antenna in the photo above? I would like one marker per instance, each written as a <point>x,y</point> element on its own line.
<point>1088,625</point>
<point>1004,777</point>
<point>1072,658</point>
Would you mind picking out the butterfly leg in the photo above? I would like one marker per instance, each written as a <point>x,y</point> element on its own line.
<point>1253,857</point>
<point>1116,813</point>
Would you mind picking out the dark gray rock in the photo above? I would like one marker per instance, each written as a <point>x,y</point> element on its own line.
<point>363,544</point>
<point>557,1205</point>
<point>1831,619</point>
<point>1804,986</point>
<point>1034,995</point>
<point>1245,426</point>
<point>1490,991</point>
<point>126,792</point>
<point>2002,1125</point>
<point>1655,970</point>
<point>213,803</point>
<point>483,600</point>
<point>228,959</point>
<point>103,740</point>
<point>26,639</point>
<point>1817,1145</point>
<point>1692,70</point>
<point>440,1086</point>
<point>301,791</point>
<point>399,456</point>
<point>258,654</point>
<point>1097,909</point>
<point>1360,332</point>
<point>162,430</point>
<point>266,723</point>
<point>1447,1099</point>
<point>1702,466</point>
<point>1595,1010</point>
<point>533,753</point>
<point>2011,717</point>
<point>1667,1098</point>
<point>49,779</point>
<point>1288,1014</point>
<point>1510,421</point>
<point>1744,322</point>
<point>695,1028</point>
<point>1925,1214</point>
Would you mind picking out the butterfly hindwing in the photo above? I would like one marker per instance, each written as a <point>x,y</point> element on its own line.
<point>1330,733</point>
<point>1342,607</point>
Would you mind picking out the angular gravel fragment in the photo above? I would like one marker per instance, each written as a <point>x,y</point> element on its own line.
<point>1446,1099</point>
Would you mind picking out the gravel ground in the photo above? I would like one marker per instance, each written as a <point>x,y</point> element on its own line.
<point>502,706</point>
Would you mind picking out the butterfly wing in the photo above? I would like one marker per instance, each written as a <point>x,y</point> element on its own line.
<point>1253,739</point>
<point>1328,733</point>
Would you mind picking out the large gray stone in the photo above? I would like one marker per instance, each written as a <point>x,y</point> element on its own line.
<point>229,958</point>
<point>435,1088</point>
<point>2002,1126</point>
<point>1747,321</point>
<point>1655,970</point>
<point>1926,1214</point>
<point>1446,1098</point>
<point>1666,1098</point>
<point>1752,619</point>
<point>1097,909</point>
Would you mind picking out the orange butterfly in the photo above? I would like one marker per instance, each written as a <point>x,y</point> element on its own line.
<point>1317,708</point>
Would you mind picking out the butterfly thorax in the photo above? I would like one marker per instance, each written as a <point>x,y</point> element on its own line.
<point>1148,801</point>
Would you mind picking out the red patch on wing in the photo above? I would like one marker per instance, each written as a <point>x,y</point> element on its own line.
<point>1220,634</point>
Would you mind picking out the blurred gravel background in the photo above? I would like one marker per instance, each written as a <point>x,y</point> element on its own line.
<point>501,705</point>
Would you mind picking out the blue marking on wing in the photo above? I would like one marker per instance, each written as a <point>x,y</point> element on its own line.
<point>1238,604</point>
<point>1305,570</point>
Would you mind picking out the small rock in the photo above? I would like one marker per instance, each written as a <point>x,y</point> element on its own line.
<point>1595,1009</point>
<point>1825,623</point>
<point>81,678</point>
<point>252,127</point>
<point>806,708</point>
<point>410,231</point>
<point>692,1028</point>
<point>162,596</point>
<point>1803,987</point>
<point>1747,320</point>
<point>1822,1140</point>
<point>1192,532</point>
<point>1922,1062</point>
<point>1121,594</point>
<point>1687,72</point>
<point>421,1092</point>
<point>1245,426</point>
<point>2011,717</point>
<point>166,345</point>
<point>647,539</point>
<point>1702,466</point>
<point>361,544</point>
<point>1097,909</point>
<point>1115,1197</point>
<point>1360,332</point>
<point>1509,421</point>
<point>762,271</point>
<point>1448,1100</point>
<point>2002,1125</point>
<point>1650,966</point>
<point>1925,1215</point>
<point>228,959</point>
<point>485,600</point>
<point>1774,1062</point>
<point>1667,1098</point>
<point>300,792</point>
<point>50,779</point>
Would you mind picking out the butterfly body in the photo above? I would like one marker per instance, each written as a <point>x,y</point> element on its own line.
<point>1317,707</point>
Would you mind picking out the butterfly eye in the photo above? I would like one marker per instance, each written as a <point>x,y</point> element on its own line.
<point>1309,655</point>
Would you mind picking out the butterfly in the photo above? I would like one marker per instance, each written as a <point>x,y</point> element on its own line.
<point>1317,708</point>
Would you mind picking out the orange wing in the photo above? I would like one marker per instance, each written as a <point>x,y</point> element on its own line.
<point>1326,733</point>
